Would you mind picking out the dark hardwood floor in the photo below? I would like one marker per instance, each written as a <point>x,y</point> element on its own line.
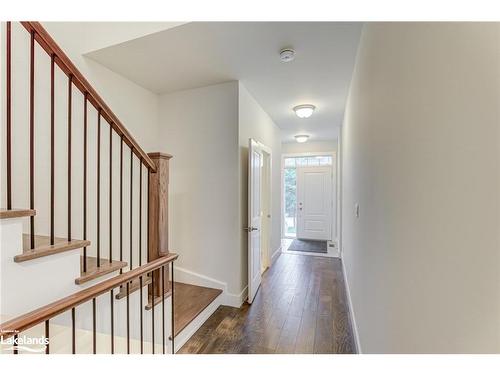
<point>301,307</point>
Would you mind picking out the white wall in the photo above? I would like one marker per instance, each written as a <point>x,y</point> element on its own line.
<point>310,146</point>
<point>135,106</point>
<point>255,123</point>
<point>207,130</point>
<point>421,157</point>
<point>199,128</point>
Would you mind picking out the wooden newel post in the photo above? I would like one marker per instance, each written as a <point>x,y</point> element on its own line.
<point>158,218</point>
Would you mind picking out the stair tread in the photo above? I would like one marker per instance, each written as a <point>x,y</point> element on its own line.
<point>189,302</point>
<point>44,248</point>
<point>133,286</point>
<point>16,212</point>
<point>93,272</point>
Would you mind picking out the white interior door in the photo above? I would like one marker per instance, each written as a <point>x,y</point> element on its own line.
<point>255,163</point>
<point>314,203</point>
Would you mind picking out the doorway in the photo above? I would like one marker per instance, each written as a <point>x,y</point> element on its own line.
<point>259,214</point>
<point>314,203</point>
<point>309,203</point>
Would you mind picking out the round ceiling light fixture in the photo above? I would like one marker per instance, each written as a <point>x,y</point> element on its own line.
<point>301,138</point>
<point>304,110</point>
<point>287,55</point>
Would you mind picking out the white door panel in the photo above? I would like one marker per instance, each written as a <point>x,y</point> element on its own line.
<point>314,203</point>
<point>255,164</point>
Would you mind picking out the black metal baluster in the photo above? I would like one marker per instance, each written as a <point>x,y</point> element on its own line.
<point>140,212</point>
<point>94,339</point>
<point>47,336</point>
<point>131,199</point>
<point>9,114</point>
<point>14,347</point>
<point>85,180</point>
<point>99,188</point>
<point>121,201</point>
<point>172,312</point>
<point>70,83</point>
<point>32,138</point>
<point>73,332</point>
<point>140,312</point>
<point>147,218</point>
<point>112,322</point>
<point>52,147</point>
<point>153,311</point>
<point>128,318</point>
<point>163,307</point>
<point>110,193</point>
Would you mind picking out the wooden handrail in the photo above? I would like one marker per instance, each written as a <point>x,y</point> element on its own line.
<point>64,62</point>
<point>31,319</point>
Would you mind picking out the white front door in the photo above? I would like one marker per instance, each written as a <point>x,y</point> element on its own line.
<point>314,203</point>
<point>255,163</point>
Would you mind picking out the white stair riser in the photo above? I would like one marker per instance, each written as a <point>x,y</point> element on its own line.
<point>28,285</point>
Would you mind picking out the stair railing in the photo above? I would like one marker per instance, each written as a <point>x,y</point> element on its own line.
<point>154,273</point>
<point>75,79</point>
<point>159,266</point>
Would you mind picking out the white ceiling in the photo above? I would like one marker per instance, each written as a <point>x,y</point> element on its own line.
<point>205,53</point>
<point>102,34</point>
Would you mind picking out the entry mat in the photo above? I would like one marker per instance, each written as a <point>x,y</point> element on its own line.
<point>311,246</point>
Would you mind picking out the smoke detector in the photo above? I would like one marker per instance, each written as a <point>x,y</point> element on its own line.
<point>287,55</point>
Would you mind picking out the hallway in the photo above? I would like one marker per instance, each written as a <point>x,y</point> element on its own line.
<point>301,307</point>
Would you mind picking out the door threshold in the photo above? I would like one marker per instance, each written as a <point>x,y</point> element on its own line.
<point>331,253</point>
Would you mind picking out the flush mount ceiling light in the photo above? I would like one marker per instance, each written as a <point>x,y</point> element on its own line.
<point>301,138</point>
<point>304,110</point>
<point>287,55</point>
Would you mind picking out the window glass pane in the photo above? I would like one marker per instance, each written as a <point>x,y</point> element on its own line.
<point>307,161</point>
<point>290,202</point>
<point>312,161</point>
<point>325,160</point>
<point>302,162</point>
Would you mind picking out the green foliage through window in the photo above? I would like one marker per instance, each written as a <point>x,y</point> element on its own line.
<point>290,191</point>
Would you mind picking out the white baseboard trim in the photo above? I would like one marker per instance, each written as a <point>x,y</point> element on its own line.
<point>352,316</point>
<point>197,322</point>
<point>275,255</point>
<point>235,300</point>
<point>183,275</point>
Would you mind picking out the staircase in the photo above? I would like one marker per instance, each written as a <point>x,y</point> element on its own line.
<point>94,214</point>
<point>187,309</point>
<point>61,335</point>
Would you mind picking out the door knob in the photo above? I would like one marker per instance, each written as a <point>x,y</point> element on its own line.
<point>250,229</point>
